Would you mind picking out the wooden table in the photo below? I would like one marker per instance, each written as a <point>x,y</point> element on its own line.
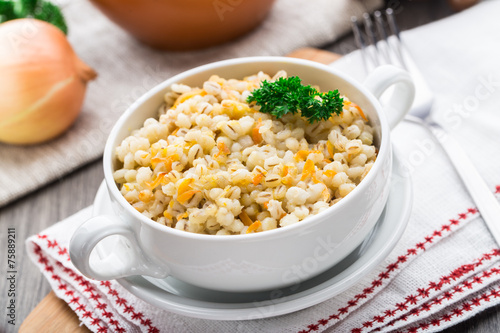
<point>37,211</point>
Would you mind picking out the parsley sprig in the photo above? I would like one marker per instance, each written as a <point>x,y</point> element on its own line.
<point>289,95</point>
<point>38,9</point>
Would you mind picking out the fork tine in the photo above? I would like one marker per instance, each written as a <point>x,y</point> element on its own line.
<point>358,37</point>
<point>357,33</point>
<point>369,28</point>
<point>382,44</point>
<point>389,13</point>
<point>394,41</point>
<point>372,47</point>
<point>379,20</point>
<point>386,49</point>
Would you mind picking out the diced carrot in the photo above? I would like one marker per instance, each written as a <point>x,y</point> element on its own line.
<point>232,107</point>
<point>308,169</point>
<point>184,197</point>
<point>222,147</point>
<point>302,155</point>
<point>167,160</point>
<point>254,226</point>
<point>329,173</point>
<point>285,171</point>
<point>256,136</point>
<point>185,185</point>
<point>187,145</point>
<point>157,181</point>
<point>223,150</point>
<point>190,94</point>
<point>325,194</point>
<point>361,113</point>
<point>257,179</point>
<point>168,163</point>
<point>329,147</point>
<point>315,179</point>
<point>266,205</point>
<point>181,216</point>
<point>145,195</point>
<point>245,218</point>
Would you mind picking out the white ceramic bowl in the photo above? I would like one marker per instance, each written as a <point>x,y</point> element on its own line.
<point>251,262</point>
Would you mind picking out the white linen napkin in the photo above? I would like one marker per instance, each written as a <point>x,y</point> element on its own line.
<point>128,69</point>
<point>445,268</point>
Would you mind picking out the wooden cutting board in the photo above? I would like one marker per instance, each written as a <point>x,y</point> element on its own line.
<point>52,314</point>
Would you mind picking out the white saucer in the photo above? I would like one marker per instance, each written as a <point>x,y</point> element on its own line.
<point>182,298</point>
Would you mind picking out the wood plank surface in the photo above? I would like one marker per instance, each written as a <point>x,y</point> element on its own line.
<point>318,55</point>
<point>31,215</point>
<point>52,315</point>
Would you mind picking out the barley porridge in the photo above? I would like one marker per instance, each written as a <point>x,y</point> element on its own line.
<point>211,163</point>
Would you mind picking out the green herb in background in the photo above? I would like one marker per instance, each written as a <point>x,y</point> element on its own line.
<point>290,95</point>
<point>38,9</point>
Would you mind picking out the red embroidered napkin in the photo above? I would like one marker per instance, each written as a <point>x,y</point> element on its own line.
<point>446,266</point>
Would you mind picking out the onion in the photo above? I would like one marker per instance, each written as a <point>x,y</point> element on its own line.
<point>42,82</point>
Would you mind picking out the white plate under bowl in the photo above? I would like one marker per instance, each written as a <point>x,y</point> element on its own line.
<point>182,298</point>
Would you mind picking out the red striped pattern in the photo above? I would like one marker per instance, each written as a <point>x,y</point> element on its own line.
<point>100,319</point>
<point>386,275</point>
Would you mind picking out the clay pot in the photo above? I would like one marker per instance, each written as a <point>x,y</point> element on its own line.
<point>185,24</point>
<point>458,5</point>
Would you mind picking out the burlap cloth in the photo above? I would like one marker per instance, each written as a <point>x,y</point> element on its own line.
<point>128,69</point>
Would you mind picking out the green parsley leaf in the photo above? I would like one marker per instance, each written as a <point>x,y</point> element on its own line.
<point>38,9</point>
<point>289,95</point>
<point>7,12</point>
<point>51,13</point>
<point>28,6</point>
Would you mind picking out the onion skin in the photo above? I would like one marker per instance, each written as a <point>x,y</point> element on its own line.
<point>42,82</point>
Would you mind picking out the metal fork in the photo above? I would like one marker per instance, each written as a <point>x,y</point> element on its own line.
<point>389,49</point>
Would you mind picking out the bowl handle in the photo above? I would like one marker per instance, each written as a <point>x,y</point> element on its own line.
<point>401,99</point>
<point>127,258</point>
